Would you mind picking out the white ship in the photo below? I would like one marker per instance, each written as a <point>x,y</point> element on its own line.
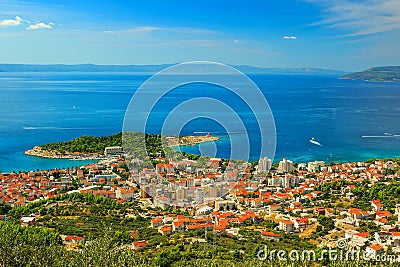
<point>315,142</point>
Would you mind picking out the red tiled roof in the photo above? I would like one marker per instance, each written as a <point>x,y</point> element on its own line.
<point>157,220</point>
<point>200,226</point>
<point>141,243</point>
<point>383,213</point>
<point>165,228</point>
<point>357,211</point>
<point>302,220</point>
<point>376,247</point>
<point>287,222</point>
<point>178,223</point>
<point>363,234</point>
<point>73,238</point>
<point>265,233</point>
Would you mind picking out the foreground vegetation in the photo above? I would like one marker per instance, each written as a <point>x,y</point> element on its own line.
<point>34,246</point>
<point>110,227</point>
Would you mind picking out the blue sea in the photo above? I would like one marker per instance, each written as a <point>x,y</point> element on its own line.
<point>353,120</point>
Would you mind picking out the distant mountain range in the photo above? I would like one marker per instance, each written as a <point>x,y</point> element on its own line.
<point>150,69</point>
<point>80,68</point>
<point>376,74</point>
<point>257,70</point>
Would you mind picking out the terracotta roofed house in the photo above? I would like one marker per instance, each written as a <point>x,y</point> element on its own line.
<point>373,250</point>
<point>286,226</point>
<point>74,239</point>
<point>178,226</point>
<point>157,222</point>
<point>138,245</point>
<point>270,236</point>
<point>165,229</point>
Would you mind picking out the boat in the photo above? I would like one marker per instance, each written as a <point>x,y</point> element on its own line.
<point>315,142</point>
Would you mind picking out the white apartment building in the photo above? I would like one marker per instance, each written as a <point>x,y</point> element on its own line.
<point>264,165</point>
<point>285,165</point>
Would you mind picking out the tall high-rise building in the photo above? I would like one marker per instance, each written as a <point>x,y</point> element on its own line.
<point>285,165</point>
<point>264,164</point>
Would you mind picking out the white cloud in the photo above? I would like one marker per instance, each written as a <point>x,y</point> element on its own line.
<point>18,21</point>
<point>360,17</point>
<point>40,25</point>
<point>11,22</point>
<point>134,30</point>
<point>144,29</point>
<point>290,37</point>
<point>182,30</point>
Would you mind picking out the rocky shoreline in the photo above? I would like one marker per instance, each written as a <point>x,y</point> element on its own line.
<point>193,140</point>
<point>190,140</point>
<point>38,151</point>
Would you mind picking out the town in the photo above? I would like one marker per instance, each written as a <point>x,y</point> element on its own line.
<point>318,201</point>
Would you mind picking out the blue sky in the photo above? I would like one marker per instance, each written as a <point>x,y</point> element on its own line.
<point>339,34</point>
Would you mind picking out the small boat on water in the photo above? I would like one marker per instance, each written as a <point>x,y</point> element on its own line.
<point>315,142</point>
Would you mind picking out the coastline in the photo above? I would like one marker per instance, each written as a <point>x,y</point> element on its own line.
<point>194,146</point>
<point>190,144</point>
<point>37,151</point>
<point>191,140</point>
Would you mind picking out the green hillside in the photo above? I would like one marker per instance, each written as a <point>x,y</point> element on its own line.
<point>376,74</point>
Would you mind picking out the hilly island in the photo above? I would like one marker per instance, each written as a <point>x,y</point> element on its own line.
<point>376,74</point>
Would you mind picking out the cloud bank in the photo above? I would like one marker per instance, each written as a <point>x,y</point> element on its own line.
<point>18,21</point>
<point>11,22</point>
<point>360,17</point>
<point>40,25</point>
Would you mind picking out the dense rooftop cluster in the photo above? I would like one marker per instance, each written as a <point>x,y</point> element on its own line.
<point>314,201</point>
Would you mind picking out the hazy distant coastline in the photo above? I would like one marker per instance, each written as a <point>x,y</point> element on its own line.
<point>150,69</point>
<point>376,74</point>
